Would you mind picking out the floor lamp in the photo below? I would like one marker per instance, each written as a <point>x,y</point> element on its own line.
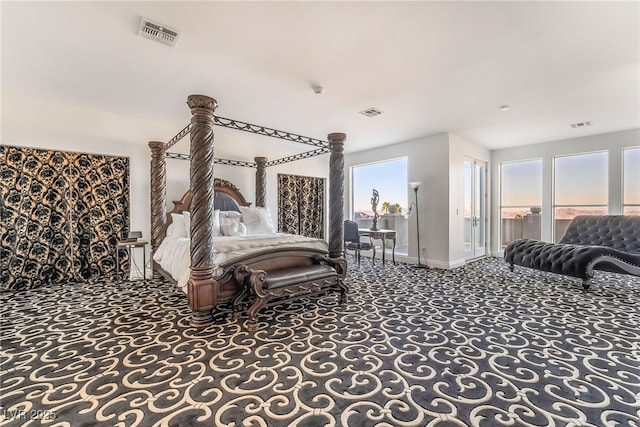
<point>415,185</point>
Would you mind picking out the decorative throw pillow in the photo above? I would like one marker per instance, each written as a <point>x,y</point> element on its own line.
<point>216,222</point>
<point>258,220</point>
<point>179,228</point>
<point>230,214</point>
<point>232,227</point>
<point>242,229</point>
<point>187,223</point>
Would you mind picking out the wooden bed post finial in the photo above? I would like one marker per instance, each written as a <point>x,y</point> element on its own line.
<point>202,286</point>
<point>158,197</point>
<point>336,194</point>
<point>261,181</point>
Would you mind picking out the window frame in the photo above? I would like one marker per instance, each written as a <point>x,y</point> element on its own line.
<point>554,174</point>
<point>501,206</point>
<point>624,202</point>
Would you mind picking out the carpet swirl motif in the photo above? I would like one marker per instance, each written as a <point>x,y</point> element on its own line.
<point>475,346</point>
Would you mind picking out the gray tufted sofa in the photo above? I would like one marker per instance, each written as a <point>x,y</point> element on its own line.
<point>592,242</point>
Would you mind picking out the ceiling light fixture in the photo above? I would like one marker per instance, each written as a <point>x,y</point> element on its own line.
<point>371,112</point>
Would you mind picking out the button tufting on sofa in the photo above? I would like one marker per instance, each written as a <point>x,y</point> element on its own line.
<point>592,242</point>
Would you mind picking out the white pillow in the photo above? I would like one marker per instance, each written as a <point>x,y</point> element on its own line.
<point>216,223</point>
<point>187,222</point>
<point>230,214</point>
<point>177,227</point>
<point>232,227</point>
<point>258,220</point>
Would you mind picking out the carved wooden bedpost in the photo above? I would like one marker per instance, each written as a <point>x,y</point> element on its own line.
<point>202,289</point>
<point>261,181</point>
<point>158,197</point>
<point>336,194</point>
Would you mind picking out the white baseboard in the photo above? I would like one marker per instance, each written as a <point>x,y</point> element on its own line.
<point>446,265</point>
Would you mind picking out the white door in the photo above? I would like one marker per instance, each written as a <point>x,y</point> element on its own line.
<point>475,208</point>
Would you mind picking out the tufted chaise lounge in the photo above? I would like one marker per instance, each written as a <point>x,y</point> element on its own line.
<point>592,242</point>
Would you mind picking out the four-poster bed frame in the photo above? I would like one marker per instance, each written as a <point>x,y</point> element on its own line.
<point>205,290</point>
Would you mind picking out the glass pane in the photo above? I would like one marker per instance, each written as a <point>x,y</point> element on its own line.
<point>564,215</point>
<point>467,205</point>
<point>631,176</point>
<point>631,210</point>
<point>519,223</point>
<point>479,207</point>
<point>521,189</point>
<point>581,179</point>
<point>389,178</point>
<point>521,183</point>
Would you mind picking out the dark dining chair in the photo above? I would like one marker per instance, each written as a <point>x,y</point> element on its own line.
<point>352,241</point>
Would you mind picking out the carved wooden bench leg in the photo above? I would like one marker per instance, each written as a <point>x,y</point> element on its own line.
<point>252,323</point>
<point>241,276</point>
<point>343,291</point>
<point>256,284</point>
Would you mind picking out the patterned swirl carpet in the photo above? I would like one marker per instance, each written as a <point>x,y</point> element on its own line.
<point>475,346</point>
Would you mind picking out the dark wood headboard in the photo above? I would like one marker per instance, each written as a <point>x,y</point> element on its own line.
<point>221,186</point>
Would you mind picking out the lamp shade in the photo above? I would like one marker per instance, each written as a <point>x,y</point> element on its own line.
<point>414,185</point>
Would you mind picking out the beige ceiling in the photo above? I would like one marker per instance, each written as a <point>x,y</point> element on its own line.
<point>430,67</point>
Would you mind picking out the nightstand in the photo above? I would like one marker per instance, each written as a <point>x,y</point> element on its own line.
<point>130,245</point>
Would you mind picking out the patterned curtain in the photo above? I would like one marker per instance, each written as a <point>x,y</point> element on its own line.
<point>60,217</point>
<point>301,205</point>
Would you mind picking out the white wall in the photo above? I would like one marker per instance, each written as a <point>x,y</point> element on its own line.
<point>41,123</point>
<point>437,162</point>
<point>612,142</point>
<point>428,161</point>
<point>459,149</point>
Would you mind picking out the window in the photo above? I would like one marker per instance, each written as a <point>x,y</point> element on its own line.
<point>520,200</point>
<point>631,181</point>
<point>580,188</point>
<point>389,178</point>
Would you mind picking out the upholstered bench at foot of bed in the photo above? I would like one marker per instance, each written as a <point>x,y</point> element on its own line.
<point>570,259</point>
<point>287,283</point>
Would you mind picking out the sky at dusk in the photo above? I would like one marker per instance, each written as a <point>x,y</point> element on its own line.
<point>522,183</point>
<point>578,180</point>
<point>389,178</point>
<point>582,180</point>
<point>632,176</point>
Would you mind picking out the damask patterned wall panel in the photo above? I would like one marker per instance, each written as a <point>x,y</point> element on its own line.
<point>301,202</point>
<point>60,217</point>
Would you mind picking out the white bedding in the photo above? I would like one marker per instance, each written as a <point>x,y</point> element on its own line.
<point>174,256</point>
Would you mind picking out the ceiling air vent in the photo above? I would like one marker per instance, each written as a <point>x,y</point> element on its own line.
<point>371,112</point>
<point>581,124</point>
<point>158,32</point>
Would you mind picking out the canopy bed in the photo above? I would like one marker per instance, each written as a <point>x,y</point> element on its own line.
<point>222,266</point>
